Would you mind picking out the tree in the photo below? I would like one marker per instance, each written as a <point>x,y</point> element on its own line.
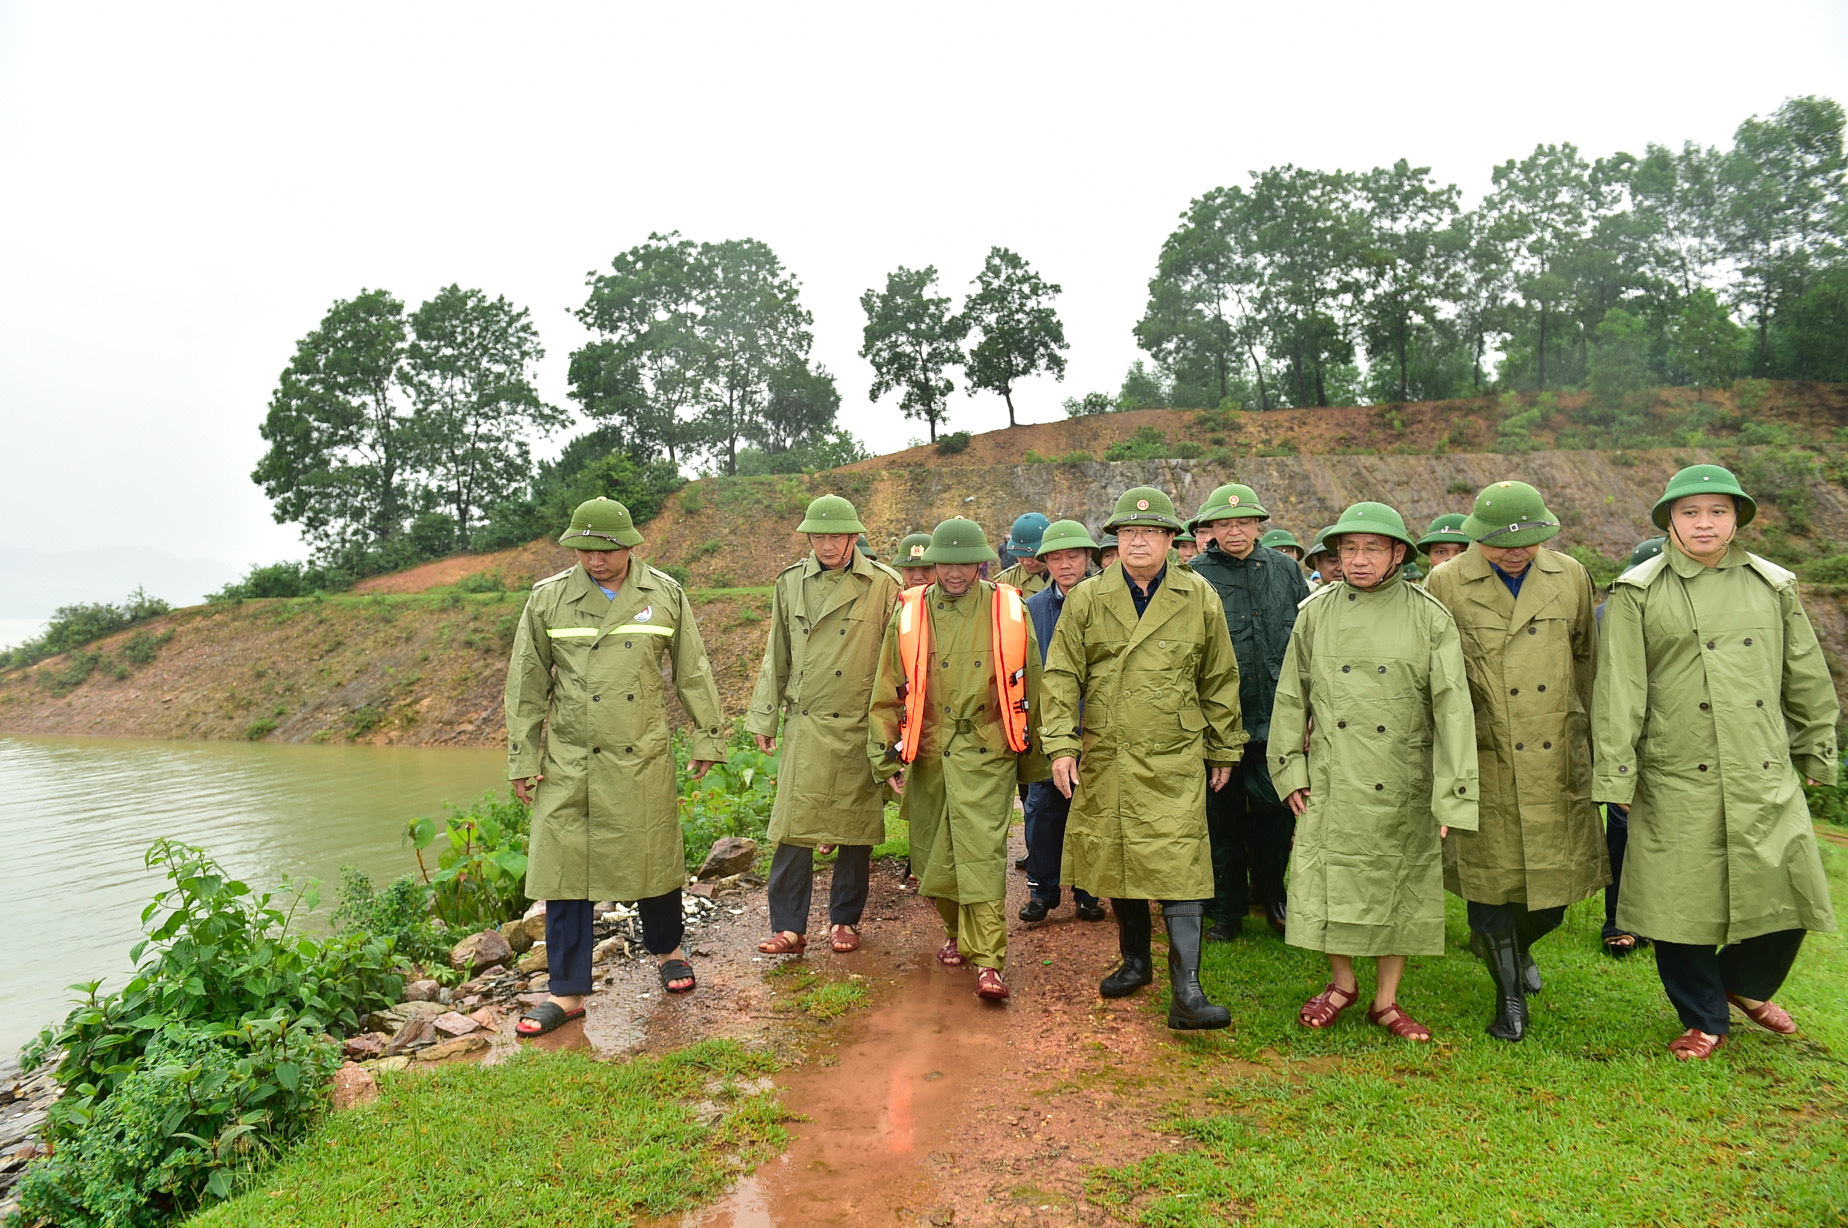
<point>1201,323</point>
<point>1703,344</point>
<point>801,409</point>
<point>1677,197</point>
<point>342,451</point>
<point>754,330</point>
<point>911,337</point>
<point>1021,333</point>
<point>1412,258</point>
<point>469,368</point>
<point>1540,209</point>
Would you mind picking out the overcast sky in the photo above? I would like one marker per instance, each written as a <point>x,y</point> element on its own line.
<point>187,188</point>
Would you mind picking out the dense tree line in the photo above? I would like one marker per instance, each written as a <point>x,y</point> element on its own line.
<point>1685,266</point>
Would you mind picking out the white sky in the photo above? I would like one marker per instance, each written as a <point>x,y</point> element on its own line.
<point>187,188</point>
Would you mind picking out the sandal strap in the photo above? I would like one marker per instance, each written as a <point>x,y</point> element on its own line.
<point>1402,1024</point>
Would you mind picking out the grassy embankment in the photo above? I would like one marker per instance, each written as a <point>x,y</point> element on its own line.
<point>1587,1122</point>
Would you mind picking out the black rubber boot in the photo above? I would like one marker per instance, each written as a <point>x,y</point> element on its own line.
<point>1502,952</point>
<point>1530,972</point>
<point>1188,1007</point>
<point>1134,929</point>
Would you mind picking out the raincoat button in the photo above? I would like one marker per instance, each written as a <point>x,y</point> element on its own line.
<point>1533,631</point>
<point>983,749</point>
<point>1378,788</point>
<point>1514,690</point>
<point>1382,669</point>
<point>1625,768</point>
<point>946,754</point>
<point>596,750</point>
<point>627,644</point>
<point>805,712</point>
<point>1379,729</point>
<point>1520,746</point>
<point>1758,703</point>
<point>1546,746</point>
<point>837,673</point>
<point>594,647</point>
<point>1709,643</point>
<point>1344,669</point>
<point>1543,686</point>
<point>1748,641</point>
<point>1340,724</point>
<point>596,699</point>
<point>1462,789</point>
<point>1703,767</point>
<point>1703,705</point>
<point>1351,596</point>
<point>843,631</point>
<point>628,750</point>
<point>835,715</point>
<point>631,697</point>
<point>1767,763</point>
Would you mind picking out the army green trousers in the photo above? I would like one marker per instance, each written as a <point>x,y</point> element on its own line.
<point>980,930</point>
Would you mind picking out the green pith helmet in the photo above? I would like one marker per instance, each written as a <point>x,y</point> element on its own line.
<point>1510,514</point>
<point>864,548</point>
<point>911,550</point>
<point>1143,506</point>
<point>1371,518</point>
<point>1647,549</point>
<point>601,524</point>
<point>1023,540</point>
<point>1228,502</point>
<point>958,540</point>
<point>1410,571</point>
<point>831,514</point>
<point>1186,535</point>
<point>1446,529</point>
<point>1107,542</point>
<point>1066,535</point>
<point>1278,538</point>
<point>1703,480</point>
<point>1321,543</point>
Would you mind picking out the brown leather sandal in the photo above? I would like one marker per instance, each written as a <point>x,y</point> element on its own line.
<point>1400,1024</point>
<point>989,985</point>
<point>844,938</point>
<point>781,944</point>
<point>1322,1010</point>
<point>949,956</point>
<point>1694,1046</point>
<point>1767,1015</point>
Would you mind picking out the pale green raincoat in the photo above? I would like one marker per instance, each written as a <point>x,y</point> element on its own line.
<point>1392,757</point>
<point>1159,701</point>
<point>961,787</point>
<point>586,710</point>
<point>826,627</point>
<point>1713,702</point>
<point>1530,662</point>
<point>1027,582</point>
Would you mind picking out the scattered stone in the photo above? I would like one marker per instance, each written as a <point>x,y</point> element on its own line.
<point>703,890</point>
<point>535,909</point>
<point>401,1062</point>
<point>354,1086</point>
<point>540,981</point>
<point>392,1018</point>
<point>421,991</point>
<point>475,986</point>
<point>535,929</point>
<point>534,960</point>
<point>610,948</point>
<point>365,1046</point>
<point>534,999</point>
<point>453,1024</point>
<point>488,1017</point>
<point>730,855</point>
<point>517,937</point>
<point>470,1002</point>
<point>453,1048</point>
<point>413,1035</point>
<point>604,906</point>
<point>479,951</point>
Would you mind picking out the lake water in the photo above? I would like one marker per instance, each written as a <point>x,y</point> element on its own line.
<point>77,816</point>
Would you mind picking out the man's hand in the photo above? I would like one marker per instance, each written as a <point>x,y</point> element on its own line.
<point>897,781</point>
<point>525,787</point>
<point>765,744</point>
<point>1299,802</point>
<point>699,767</point>
<point>1443,831</point>
<point>1065,774</point>
<point>1216,777</point>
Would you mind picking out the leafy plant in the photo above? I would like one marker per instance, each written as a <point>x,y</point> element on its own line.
<point>399,913</point>
<point>259,729</point>
<point>480,876</point>
<point>952,443</point>
<point>1146,444</point>
<point>733,799</point>
<point>482,582</point>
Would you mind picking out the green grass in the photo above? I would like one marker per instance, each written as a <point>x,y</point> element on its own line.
<point>804,990</point>
<point>898,836</point>
<point>541,1139</point>
<point>1586,1122</point>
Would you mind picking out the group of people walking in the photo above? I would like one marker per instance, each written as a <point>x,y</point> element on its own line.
<point>1189,730</point>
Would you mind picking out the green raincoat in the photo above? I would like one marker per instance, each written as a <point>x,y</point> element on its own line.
<point>961,786</point>
<point>1713,702</point>
<point>587,671</point>
<point>1392,757</point>
<point>817,676</point>
<point>1024,580</point>
<point>1530,663</point>
<point>1159,701</point>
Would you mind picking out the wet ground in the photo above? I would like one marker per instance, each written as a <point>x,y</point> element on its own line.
<point>926,1105</point>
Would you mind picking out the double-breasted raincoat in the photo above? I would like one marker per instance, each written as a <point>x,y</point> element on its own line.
<point>826,626</point>
<point>1379,675</point>
<point>1531,661</point>
<point>586,709</point>
<point>1713,702</point>
<point>1159,697</point>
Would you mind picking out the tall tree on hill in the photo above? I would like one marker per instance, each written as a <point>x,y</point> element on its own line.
<point>1484,292</point>
<point>755,332</point>
<point>1412,258</point>
<point>1541,209</point>
<point>1307,234</point>
<point>1021,332</point>
<point>342,450</point>
<point>469,369</point>
<point>1200,321</point>
<point>1677,198</point>
<point>912,337</point>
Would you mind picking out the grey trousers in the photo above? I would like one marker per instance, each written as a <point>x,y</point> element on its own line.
<point>792,885</point>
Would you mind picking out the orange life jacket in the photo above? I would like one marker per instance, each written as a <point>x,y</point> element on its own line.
<point>1008,644</point>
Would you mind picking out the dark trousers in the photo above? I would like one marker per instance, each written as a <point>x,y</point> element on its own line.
<point>1250,830</point>
<point>792,886</point>
<point>1698,977</point>
<point>1528,925</point>
<point>1047,810</point>
<point>570,938</point>
<point>1616,839</point>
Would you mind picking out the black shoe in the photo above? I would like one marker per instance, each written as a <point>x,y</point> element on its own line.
<point>1020,863</point>
<point>1036,909</point>
<point>1530,972</point>
<point>1092,910</point>
<point>1188,1007</point>
<point>1226,931</point>
<point>1502,954</point>
<point>1277,915</point>
<point>1134,929</point>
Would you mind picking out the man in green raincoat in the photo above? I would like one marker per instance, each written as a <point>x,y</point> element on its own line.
<point>588,747</point>
<point>827,614</point>
<point>910,562</point>
<point>1027,574</point>
<point>1374,680</point>
<point>1140,718</point>
<point>1283,542</point>
<point>1713,704</point>
<point>1530,638</point>
<point>961,778</point>
<point>1445,539</point>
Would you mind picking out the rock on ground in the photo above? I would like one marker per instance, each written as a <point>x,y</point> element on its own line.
<point>480,951</point>
<point>354,1086</point>
<point>730,855</point>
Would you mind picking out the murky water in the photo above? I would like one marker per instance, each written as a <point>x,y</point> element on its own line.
<point>77,816</point>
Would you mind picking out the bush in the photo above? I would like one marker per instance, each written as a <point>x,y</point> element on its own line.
<point>954,442</point>
<point>1146,444</point>
<point>480,877</point>
<point>830,451</point>
<point>1781,478</point>
<point>1602,570</point>
<point>1089,404</point>
<point>733,799</point>
<point>284,580</point>
<point>73,626</point>
<point>400,914</point>
<point>1078,457</point>
<point>78,666</point>
<point>259,729</point>
<point>1766,433</point>
<point>1832,570</point>
<point>482,582</point>
<point>142,647</point>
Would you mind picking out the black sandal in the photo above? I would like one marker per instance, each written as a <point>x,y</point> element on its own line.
<point>550,1017</point>
<point>678,970</point>
<point>1617,948</point>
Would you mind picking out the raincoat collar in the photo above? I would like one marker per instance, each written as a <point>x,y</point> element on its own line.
<point>842,591</point>
<point>1687,568</point>
<point>1485,586</point>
